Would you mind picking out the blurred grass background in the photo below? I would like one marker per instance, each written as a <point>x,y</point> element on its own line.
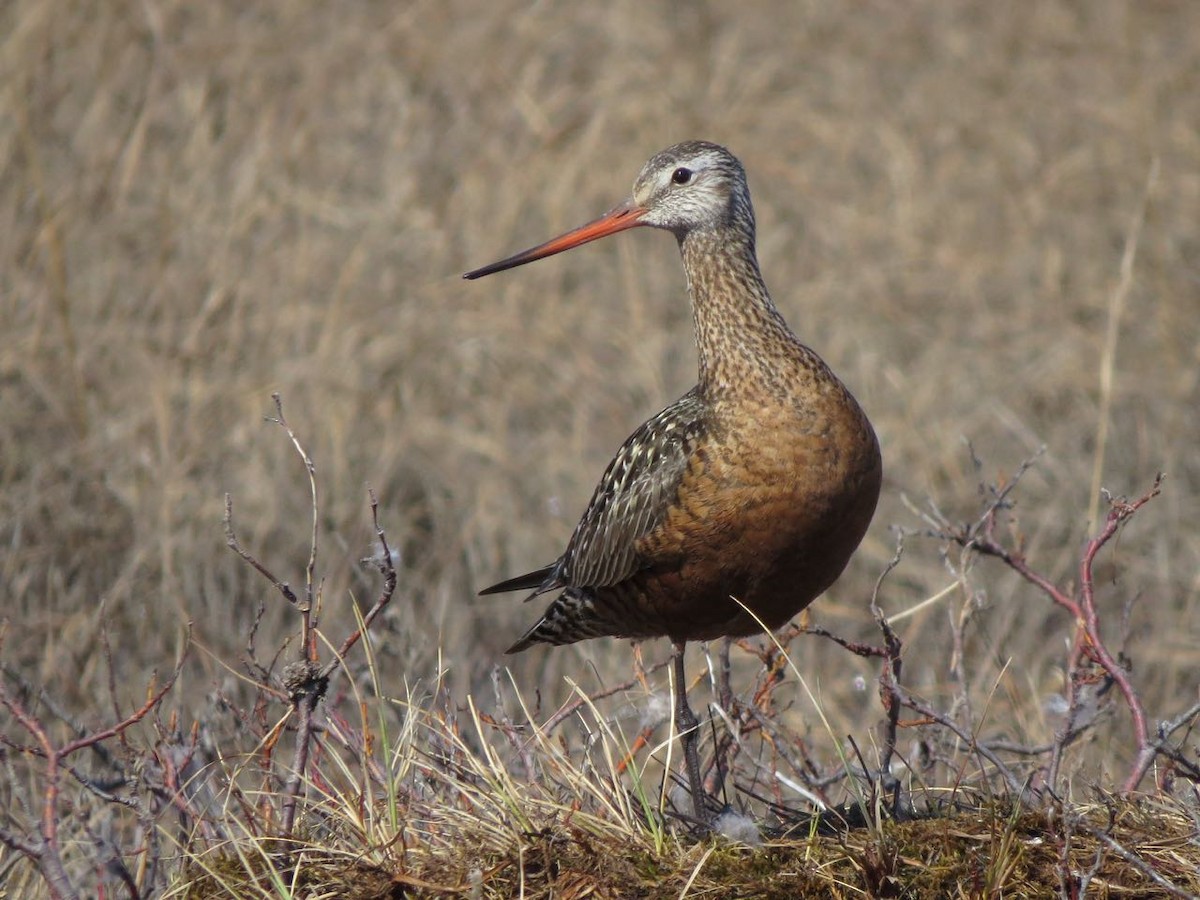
<point>201,204</point>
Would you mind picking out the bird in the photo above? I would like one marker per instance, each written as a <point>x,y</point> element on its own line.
<point>741,502</point>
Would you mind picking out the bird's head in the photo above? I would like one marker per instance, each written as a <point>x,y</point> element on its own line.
<point>693,186</point>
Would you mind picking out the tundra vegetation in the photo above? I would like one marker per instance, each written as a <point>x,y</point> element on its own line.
<point>983,216</point>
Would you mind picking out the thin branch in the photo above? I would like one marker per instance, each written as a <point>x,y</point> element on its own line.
<point>1159,746</point>
<point>569,708</point>
<point>1133,859</point>
<point>383,562</point>
<point>46,851</point>
<point>232,542</point>
<point>889,675</point>
<point>1097,649</point>
<point>1018,788</point>
<point>311,565</point>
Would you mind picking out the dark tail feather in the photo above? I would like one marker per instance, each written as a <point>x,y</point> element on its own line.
<point>567,620</point>
<point>526,641</point>
<point>527,582</point>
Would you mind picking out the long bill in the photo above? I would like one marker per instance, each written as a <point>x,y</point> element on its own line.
<point>627,215</point>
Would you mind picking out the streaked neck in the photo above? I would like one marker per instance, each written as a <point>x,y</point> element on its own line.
<point>744,345</point>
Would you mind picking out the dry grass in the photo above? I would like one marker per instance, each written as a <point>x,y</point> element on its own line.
<point>460,825</point>
<point>202,204</point>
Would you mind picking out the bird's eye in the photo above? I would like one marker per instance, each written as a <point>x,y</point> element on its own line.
<point>681,175</point>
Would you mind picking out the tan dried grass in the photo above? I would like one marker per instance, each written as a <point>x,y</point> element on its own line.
<point>202,204</point>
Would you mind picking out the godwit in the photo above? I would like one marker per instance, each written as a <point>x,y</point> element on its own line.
<point>757,484</point>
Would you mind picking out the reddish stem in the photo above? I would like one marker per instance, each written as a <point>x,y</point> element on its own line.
<point>1096,647</point>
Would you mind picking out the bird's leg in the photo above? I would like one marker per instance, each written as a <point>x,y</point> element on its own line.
<point>688,727</point>
<point>725,701</point>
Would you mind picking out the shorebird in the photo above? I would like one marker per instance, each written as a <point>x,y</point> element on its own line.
<point>741,502</point>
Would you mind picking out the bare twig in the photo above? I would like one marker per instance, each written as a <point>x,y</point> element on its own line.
<point>1159,746</point>
<point>44,847</point>
<point>232,542</point>
<point>1133,859</point>
<point>889,675</point>
<point>1097,649</point>
<point>383,562</point>
<point>1015,785</point>
<point>1088,646</point>
<point>572,706</point>
<point>306,680</point>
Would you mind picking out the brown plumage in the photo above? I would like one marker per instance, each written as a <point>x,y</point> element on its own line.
<point>758,483</point>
